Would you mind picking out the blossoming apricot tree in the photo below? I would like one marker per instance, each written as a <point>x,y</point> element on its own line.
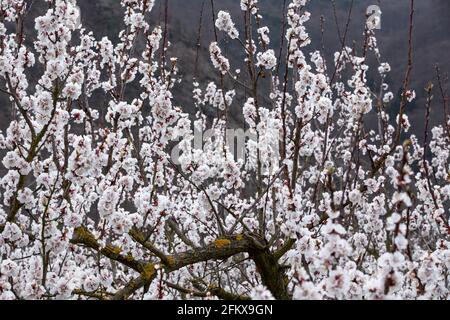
<point>93,207</point>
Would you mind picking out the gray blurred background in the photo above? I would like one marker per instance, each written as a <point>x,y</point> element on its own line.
<point>431,40</point>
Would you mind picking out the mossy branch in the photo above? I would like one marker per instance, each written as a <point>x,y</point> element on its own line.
<point>131,287</point>
<point>285,248</point>
<point>82,236</point>
<point>271,272</point>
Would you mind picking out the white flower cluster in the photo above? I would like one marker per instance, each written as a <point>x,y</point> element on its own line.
<point>249,5</point>
<point>267,60</point>
<point>224,23</point>
<point>264,34</point>
<point>218,60</point>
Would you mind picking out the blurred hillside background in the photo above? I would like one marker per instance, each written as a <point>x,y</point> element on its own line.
<point>431,40</point>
